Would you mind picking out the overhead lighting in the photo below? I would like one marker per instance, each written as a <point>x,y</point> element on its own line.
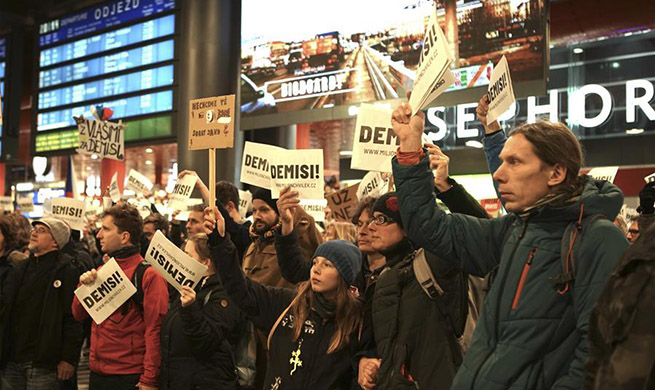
<point>27,186</point>
<point>615,65</point>
<point>474,144</point>
<point>634,131</point>
<point>94,156</point>
<point>346,153</point>
<point>578,50</point>
<point>149,150</point>
<point>148,162</point>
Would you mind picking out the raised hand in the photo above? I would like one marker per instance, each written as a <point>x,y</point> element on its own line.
<point>408,128</point>
<point>481,111</point>
<point>286,205</point>
<point>439,163</point>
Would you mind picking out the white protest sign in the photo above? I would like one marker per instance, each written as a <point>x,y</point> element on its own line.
<point>256,161</point>
<point>106,202</point>
<point>107,293</point>
<point>6,204</point>
<point>245,202</point>
<point>182,192</point>
<point>178,268</point>
<point>650,178</point>
<point>372,185</point>
<point>102,138</point>
<point>137,182</point>
<point>315,208</point>
<point>144,208</point>
<point>500,91</point>
<point>604,173</point>
<point>446,81</point>
<point>375,142</point>
<point>114,191</point>
<point>70,211</point>
<point>435,59</point>
<point>184,214</point>
<point>301,169</point>
<point>25,204</point>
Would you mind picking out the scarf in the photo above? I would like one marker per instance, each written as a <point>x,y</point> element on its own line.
<point>397,251</point>
<point>125,252</point>
<point>327,310</point>
<point>270,233</point>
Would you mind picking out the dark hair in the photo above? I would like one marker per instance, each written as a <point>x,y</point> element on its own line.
<point>7,233</point>
<point>226,192</point>
<point>198,207</point>
<point>20,230</point>
<point>365,204</point>
<point>554,143</point>
<point>160,222</point>
<point>127,219</point>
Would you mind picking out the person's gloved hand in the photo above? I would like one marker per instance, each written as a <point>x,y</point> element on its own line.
<point>647,199</point>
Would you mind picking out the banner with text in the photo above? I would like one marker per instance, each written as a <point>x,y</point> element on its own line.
<point>245,202</point>
<point>70,211</point>
<point>604,173</point>
<point>302,169</point>
<point>211,123</point>
<point>255,166</point>
<point>105,139</point>
<point>375,142</point>
<point>25,203</point>
<point>182,192</point>
<point>178,268</point>
<point>343,203</point>
<point>372,185</point>
<point>500,91</point>
<point>137,182</point>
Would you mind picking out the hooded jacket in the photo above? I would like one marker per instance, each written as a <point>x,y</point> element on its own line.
<point>529,336</point>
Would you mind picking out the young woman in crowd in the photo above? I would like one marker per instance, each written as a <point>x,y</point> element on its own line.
<point>341,231</point>
<point>199,330</point>
<point>314,332</point>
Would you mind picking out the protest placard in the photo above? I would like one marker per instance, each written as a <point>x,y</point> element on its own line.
<point>604,173</point>
<point>6,204</point>
<point>301,169</point>
<point>343,203</point>
<point>178,268</point>
<point>375,142</point>
<point>315,208</point>
<point>245,202</point>
<point>435,60</point>
<point>372,185</point>
<point>137,182</point>
<point>114,191</point>
<point>70,211</point>
<point>182,192</point>
<point>255,166</point>
<point>650,178</point>
<point>211,123</point>
<point>500,91</point>
<point>144,208</point>
<point>184,214</point>
<point>107,293</point>
<point>105,139</point>
<point>25,203</point>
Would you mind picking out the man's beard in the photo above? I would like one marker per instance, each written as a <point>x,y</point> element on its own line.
<point>263,226</point>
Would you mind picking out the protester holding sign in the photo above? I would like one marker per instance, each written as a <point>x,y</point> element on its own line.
<point>199,330</point>
<point>126,347</point>
<point>44,338</point>
<point>314,331</point>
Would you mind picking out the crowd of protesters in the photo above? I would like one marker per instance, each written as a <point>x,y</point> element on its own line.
<point>556,294</point>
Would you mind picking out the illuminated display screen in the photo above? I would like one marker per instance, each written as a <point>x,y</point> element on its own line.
<point>3,64</point>
<point>97,18</point>
<point>123,60</point>
<point>110,40</point>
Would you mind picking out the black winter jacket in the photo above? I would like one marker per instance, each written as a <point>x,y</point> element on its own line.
<point>196,341</point>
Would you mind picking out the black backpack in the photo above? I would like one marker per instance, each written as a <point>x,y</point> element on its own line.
<point>137,281</point>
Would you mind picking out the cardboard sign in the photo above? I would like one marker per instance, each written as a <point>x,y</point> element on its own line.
<point>372,185</point>
<point>500,91</point>
<point>107,293</point>
<point>114,191</point>
<point>301,169</point>
<point>70,211</point>
<point>256,162</point>
<point>375,143</point>
<point>245,202</point>
<point>6,204</point>
<point>604,173</point>
<point>178,268</point>
<point>211,123</point>
<point>343,203</point>
<point>650,178</point>
<point>25,204</point>
<point>106,139</point>
<point>435,60</point>
<point>137,182</point>
<point>315,208</point>
<point>182,192</point>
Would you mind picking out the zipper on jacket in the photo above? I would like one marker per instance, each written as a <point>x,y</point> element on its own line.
<point>500,296</point>
<point>524,275</point>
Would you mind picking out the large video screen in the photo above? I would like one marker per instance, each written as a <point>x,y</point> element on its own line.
<point>368,50</point>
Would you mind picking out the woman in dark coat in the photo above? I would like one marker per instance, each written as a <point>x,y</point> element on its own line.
<point>198,332</point>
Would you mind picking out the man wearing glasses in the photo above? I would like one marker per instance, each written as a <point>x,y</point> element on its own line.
<point>42,340</point>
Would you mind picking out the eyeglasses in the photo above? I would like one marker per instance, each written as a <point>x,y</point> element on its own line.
<point>381,220</point>
<point>40,230</point>
<point>634,232</point>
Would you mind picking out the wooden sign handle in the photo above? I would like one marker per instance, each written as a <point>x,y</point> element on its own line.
<point>212,178</point>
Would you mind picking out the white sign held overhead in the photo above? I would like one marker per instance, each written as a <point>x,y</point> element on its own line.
<point>70,211</point>
<point>604,173</point>
<point>301,169</point>
<point>372,185</point>
<point>137,182</point>
<point>315,208</point>
<point>256,162</point>
<point>105,139</point>
<point>178,268</point>
<point>114,191</point>
<point>6,204</point>
<point>500,91</point>
<point>375,142</point>
<point>245,202</point>
<point>107,293</point>
<point>182,192</point>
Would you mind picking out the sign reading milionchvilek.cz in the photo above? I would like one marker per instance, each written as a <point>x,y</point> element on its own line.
<point>178,268</point>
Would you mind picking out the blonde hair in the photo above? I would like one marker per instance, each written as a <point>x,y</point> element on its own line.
<point>343,231</point>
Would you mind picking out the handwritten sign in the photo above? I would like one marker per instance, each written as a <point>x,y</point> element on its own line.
<point>343,203</point>
<point>106,139</point>
<point>182,192</point>
<point>107,293</point>
<point>114,191</point>
<point>301,169</point>
<point>375,142</point>
<point>211,123</point>
<point>604,173</point>
<point>137,182</point>
<point>70,211</point>
<point>255,166</point>
<point>178,268</point>
<point>500,91</point>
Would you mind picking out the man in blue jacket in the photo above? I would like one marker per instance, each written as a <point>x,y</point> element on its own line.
<point>532,332</point>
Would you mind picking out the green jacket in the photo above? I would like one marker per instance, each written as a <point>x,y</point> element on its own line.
<point>528,336</point>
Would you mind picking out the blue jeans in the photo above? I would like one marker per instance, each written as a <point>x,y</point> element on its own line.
<point>22,376</point>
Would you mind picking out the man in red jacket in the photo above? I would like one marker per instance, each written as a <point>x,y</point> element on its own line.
<point>125,348</point>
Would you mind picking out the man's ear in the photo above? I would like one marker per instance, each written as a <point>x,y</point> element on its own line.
<point>125,237</point>
<point>229,206</point>
<point>557,175</point>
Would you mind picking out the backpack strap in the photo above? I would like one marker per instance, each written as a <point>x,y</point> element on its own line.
<point>137,281</point>
<point>279,319</point>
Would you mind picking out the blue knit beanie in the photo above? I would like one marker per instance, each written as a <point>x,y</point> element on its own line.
<point>344,255</point>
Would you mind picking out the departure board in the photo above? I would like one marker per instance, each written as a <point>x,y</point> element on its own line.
<point>3,70</point>
<point>119,55</point>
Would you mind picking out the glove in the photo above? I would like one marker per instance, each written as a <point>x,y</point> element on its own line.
<point>647,199</point>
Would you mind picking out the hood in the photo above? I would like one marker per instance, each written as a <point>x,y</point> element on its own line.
<point>598,197</point>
